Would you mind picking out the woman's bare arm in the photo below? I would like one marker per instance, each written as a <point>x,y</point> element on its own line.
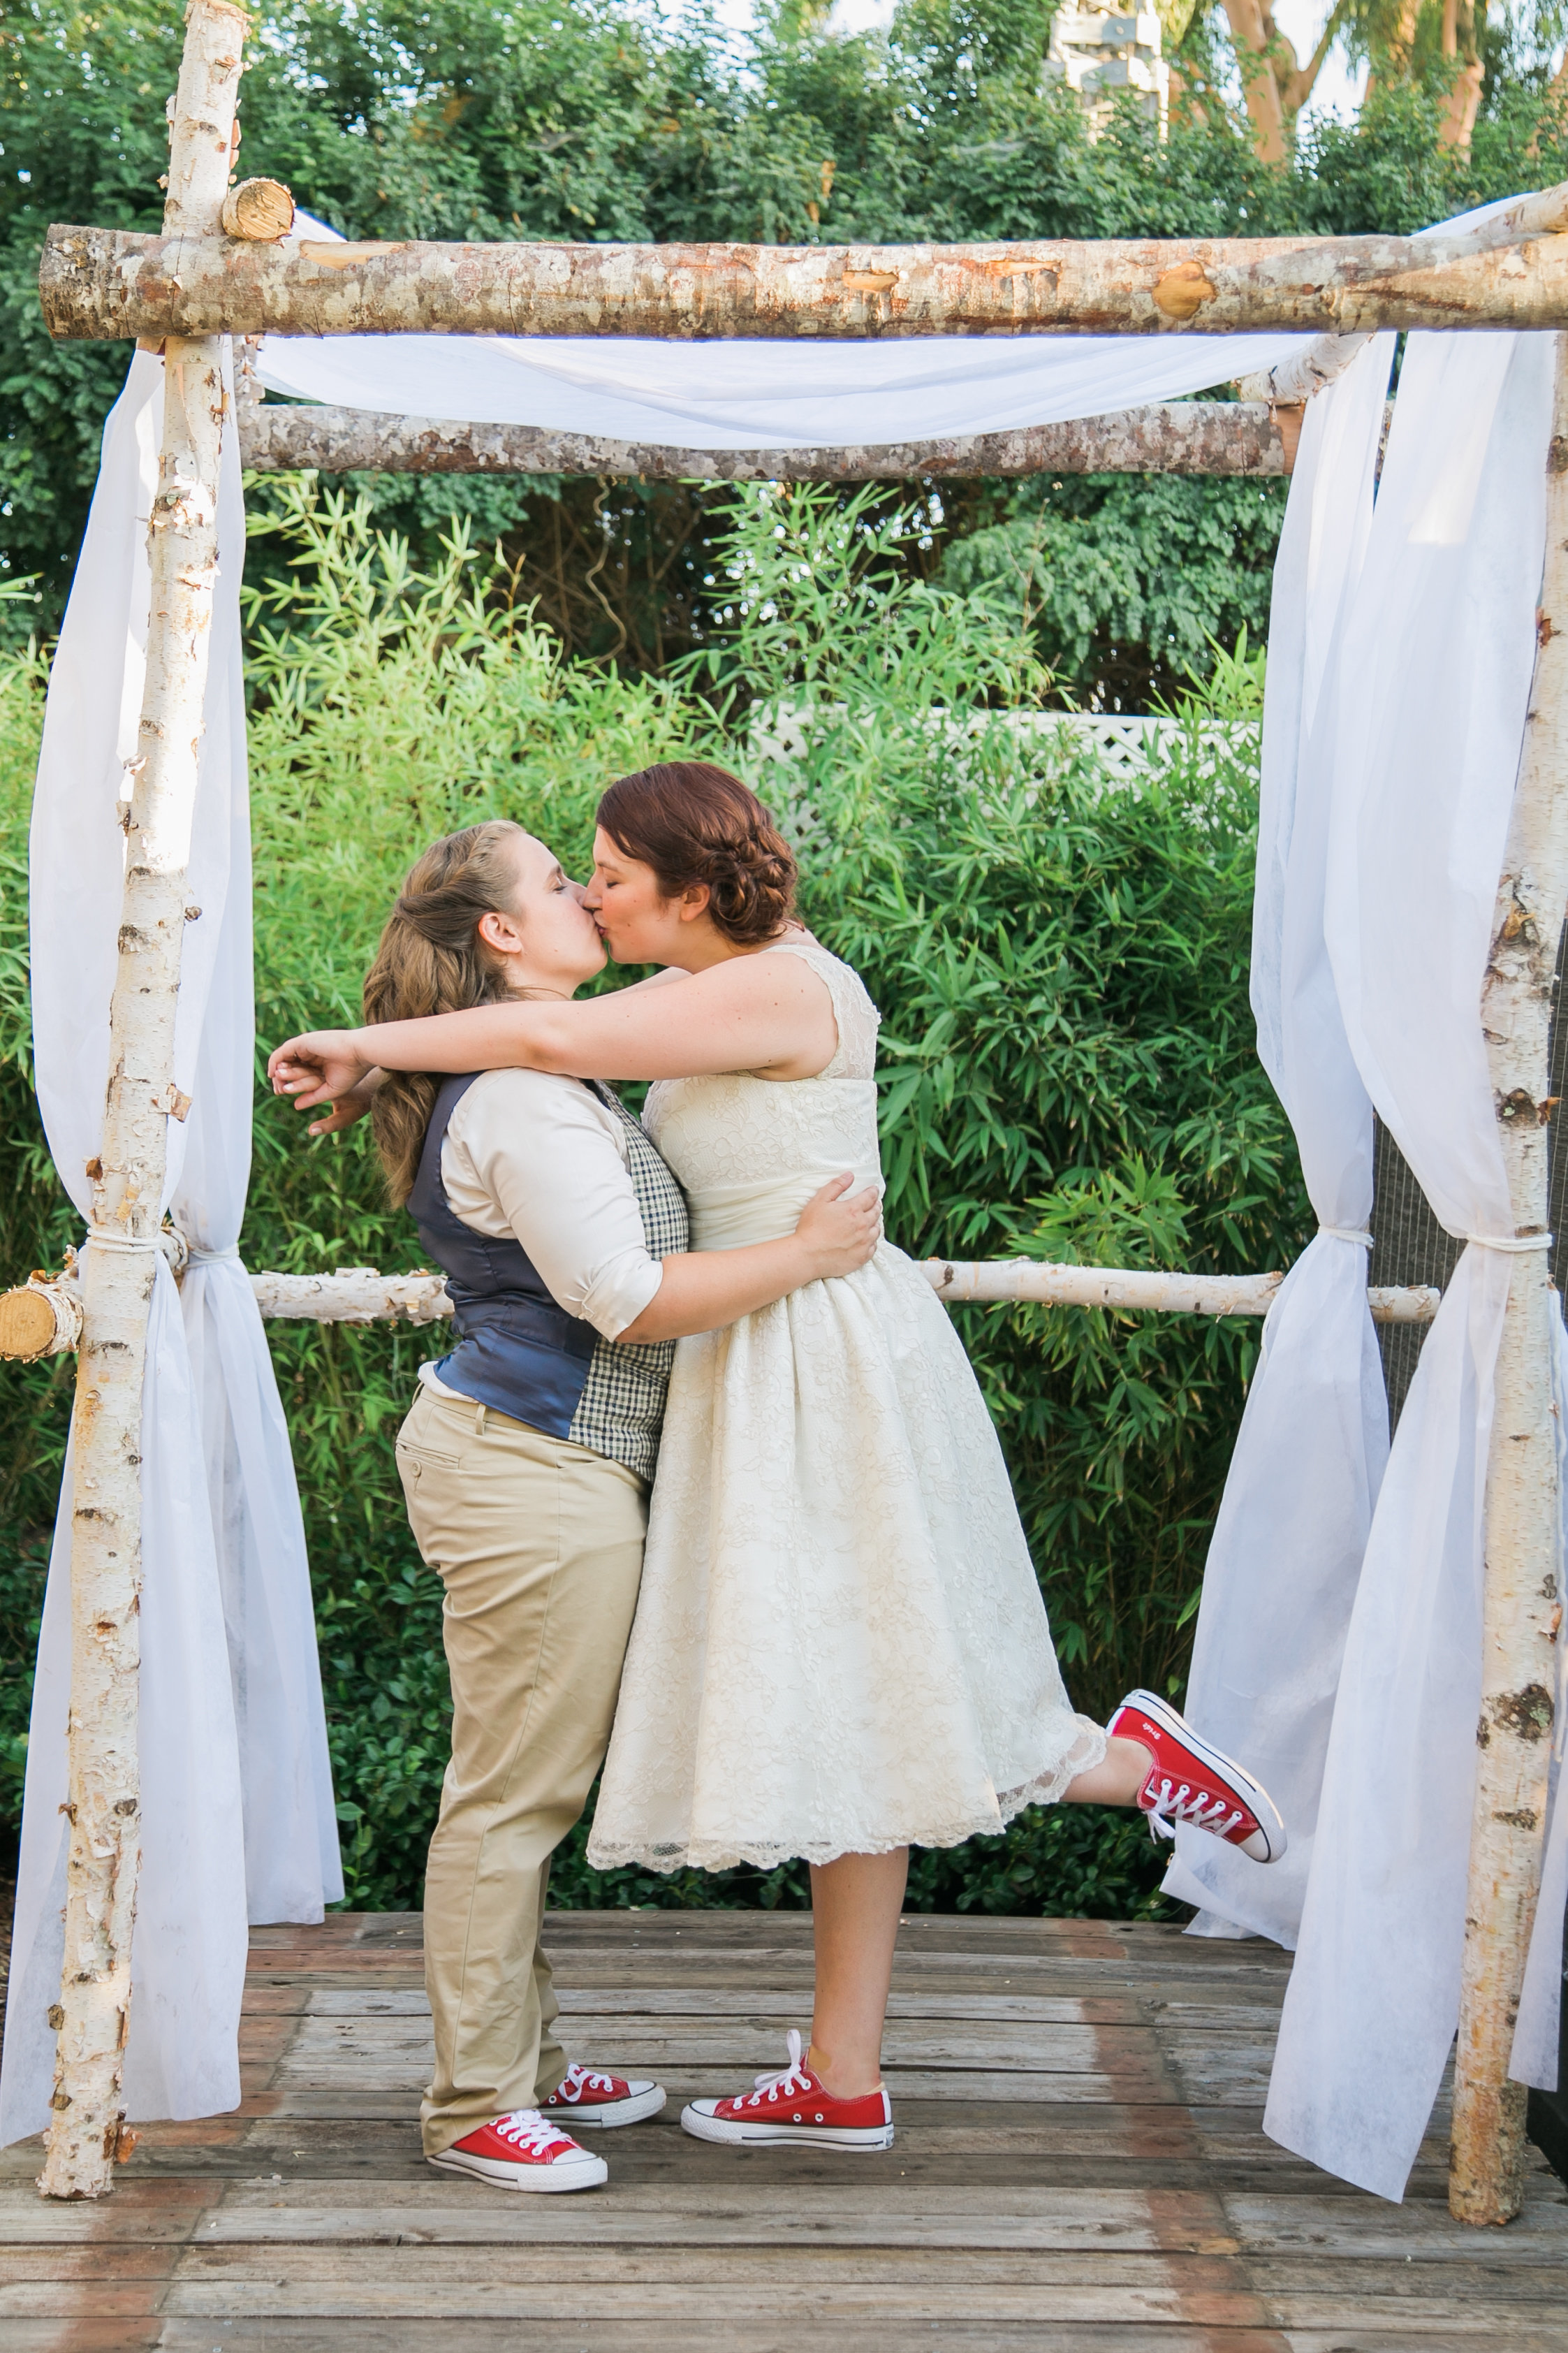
<point>767,1014</point>
<point>702,1291</point>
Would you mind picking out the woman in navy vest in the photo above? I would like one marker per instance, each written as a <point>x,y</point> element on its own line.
<point>526,1461</point>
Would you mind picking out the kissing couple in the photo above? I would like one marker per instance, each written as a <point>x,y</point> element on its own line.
<point>710,1484</point>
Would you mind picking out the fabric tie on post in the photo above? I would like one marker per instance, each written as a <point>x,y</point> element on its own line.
<point>1427,718</point>
<point>1287,1549</point>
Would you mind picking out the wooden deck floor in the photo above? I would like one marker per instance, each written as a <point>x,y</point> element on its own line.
<point>1079,2165</point>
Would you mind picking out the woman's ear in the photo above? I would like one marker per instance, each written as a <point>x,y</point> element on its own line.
<point>500,932</point>
<point>694,902</point>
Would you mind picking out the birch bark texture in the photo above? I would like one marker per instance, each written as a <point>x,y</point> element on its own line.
<point>87,2132</point>
<point>43,1318</point>
<point>1188,437</point>
<point>1520,1628</point>
<point>97,282</point>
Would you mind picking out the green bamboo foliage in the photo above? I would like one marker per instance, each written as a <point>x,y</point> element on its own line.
<point>1067,1071</point>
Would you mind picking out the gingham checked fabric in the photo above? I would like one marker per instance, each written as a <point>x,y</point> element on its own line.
<point>621,1409</point>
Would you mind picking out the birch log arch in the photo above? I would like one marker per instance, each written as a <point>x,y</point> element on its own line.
<point>115,283</point>
<point>193,284</point>
<point>88,2130</point>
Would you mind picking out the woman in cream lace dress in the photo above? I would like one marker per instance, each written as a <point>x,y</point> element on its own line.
<point>840,1649</point>
<point>840,1646</point>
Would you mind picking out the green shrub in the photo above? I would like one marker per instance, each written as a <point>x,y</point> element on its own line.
<point>1066,1069</point>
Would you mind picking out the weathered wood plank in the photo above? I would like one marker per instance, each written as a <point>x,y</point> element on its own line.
<point>344,2083</point>
<point>755,2042</point>
<point>766,2333</point>
<point>1128,2198</point>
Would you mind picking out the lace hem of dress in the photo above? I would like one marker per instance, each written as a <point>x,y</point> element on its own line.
<point>1083,1753</point>
<point>1047,1789</point>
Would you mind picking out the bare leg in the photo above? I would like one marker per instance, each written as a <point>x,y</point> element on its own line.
<point>1116,1781</point>
<point>856,1902</point>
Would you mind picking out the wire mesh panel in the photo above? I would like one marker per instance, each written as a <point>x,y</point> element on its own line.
<point>1410,1247</point>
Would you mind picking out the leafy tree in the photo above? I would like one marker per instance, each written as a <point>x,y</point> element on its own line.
<point>592,119</point>
<point>1450,51</point>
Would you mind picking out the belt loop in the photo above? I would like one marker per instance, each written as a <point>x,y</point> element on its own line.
<point>478,1422</point>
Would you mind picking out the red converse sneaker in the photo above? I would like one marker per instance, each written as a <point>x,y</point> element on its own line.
<point>590,2098</point>
<point>1191,1782</point>
<point>522,2152</point>
<point>793,2107</point>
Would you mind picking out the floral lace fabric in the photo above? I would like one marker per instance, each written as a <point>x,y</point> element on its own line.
<point>840,1645</point>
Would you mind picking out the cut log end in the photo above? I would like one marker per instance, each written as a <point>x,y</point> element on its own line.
<point>261,211</point>
<point>39,1320</point>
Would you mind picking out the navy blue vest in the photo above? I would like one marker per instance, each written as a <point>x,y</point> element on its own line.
<point>516,1351</point>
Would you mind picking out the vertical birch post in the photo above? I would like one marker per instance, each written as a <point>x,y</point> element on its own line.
<point>1518,1671</point>
<point>88,2131</point>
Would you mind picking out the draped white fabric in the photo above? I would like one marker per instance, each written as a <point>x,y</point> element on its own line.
<point>1286,1551</point>
<point>755,395</point>
<point>236,1796</point>
<point>1424,716</point>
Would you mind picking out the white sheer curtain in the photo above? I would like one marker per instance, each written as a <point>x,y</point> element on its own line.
<point>1286,1551</point>
<point>754,396</point>
<point>1428,700</point>
<point>236,1789</point>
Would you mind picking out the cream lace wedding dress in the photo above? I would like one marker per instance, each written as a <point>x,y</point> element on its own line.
<point>840,1646</point>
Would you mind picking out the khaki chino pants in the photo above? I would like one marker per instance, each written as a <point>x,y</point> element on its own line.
<point>539,1544</point>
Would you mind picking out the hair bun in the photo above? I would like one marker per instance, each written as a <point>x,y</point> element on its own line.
<point>694,823</point>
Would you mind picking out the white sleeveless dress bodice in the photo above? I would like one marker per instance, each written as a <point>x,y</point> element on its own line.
<point>840,1645</point>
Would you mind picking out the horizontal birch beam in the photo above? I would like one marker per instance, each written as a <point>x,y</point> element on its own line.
<point>1024,1279</point>
<point>354,1294</point>
<point>1178,437</point>
<point>99,282</point>
<point>43,1317</point>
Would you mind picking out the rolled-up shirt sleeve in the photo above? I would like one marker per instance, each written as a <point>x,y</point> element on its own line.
<point>542,1159</point>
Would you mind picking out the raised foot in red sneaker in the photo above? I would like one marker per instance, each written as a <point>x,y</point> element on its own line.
<point>520,2151</point>
<point>794,2105</point>
<point>1194,1783</point>
<point>589,2097</point>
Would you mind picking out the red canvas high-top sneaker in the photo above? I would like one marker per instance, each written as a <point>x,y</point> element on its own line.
<point>794,2105</point>
<point>1194,1783</point>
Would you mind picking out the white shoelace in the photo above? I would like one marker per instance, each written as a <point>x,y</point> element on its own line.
<point>579,2079</point>
<point>1185,1804</point>
<point>787,2084</point>
<point>528,2132</point>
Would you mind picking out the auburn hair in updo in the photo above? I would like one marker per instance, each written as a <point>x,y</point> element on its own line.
<point>693,823</point>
